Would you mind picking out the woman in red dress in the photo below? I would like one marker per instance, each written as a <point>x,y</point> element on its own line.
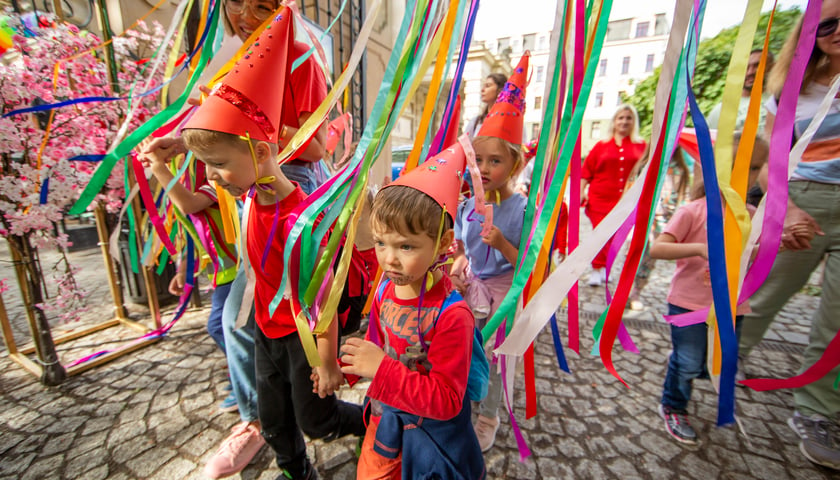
<point>604,176</point>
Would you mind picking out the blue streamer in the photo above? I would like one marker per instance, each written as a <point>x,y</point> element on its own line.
<point>558,345</point>
<point>45,188</point>
<point>87,158</point>
<point>717,265</point>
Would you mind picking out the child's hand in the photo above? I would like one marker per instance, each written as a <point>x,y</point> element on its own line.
<point>703,250</point>
<point>326,379</point>
<point>158,152</point>
<point>494,238</point>
<point>458,283</point>
<point>361,357</point>
<point>197,101</point>
<point>176,285</point>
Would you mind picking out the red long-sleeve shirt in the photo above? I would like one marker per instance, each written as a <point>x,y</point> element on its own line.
<point>606,169</point>
<point>436,388</point>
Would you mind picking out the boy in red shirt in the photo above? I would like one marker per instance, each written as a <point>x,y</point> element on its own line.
<point>419,342</point>
<point>236,132</point>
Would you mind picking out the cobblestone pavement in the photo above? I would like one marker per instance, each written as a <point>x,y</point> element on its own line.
<point>153,413</point>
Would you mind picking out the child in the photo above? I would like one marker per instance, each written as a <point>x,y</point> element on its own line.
<point>235,133</point>
<point>484,264</point>
<point>684,240</point>
<point>203,205</point>
<point>419,342</point>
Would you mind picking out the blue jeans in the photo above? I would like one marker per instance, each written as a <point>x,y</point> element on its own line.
<point>687,361</point>
<point>214,320</point>
<point>303,175</point>
<point>240,350</point>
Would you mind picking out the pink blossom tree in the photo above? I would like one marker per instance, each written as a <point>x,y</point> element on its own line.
<point>38,179</point>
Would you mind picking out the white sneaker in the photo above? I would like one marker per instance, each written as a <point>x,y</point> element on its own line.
<point>595,279</point>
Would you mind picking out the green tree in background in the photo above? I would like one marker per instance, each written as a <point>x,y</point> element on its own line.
<point>712,63</point>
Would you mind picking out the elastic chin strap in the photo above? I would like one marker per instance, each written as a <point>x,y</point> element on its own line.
<point>261,181</point>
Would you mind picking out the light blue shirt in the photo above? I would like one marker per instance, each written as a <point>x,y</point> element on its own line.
<point>486,261</point>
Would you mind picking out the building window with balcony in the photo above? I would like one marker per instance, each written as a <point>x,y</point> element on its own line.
<point>649,63</point>
<point>540,73</point>
<point>599,99</point>
<point>602,68</point>
<point>625,65</point>
<point>642,29</point>
<point>537,103</point>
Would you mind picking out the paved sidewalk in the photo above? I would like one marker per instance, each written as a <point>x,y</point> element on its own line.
<point>153,414</point>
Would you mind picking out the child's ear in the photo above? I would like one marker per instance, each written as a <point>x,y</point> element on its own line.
<point>263,151</point>
<point>446,241</point>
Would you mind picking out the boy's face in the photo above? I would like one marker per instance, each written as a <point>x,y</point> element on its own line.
<point>495,163</point>
<point>405,257</point>
<point>229,166</point>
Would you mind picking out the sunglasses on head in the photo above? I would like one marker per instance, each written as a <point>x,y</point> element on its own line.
<point>827,27</point>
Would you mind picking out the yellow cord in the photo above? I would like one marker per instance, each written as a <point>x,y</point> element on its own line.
<point>260,180</point>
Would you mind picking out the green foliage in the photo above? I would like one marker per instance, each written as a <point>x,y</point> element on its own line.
<point>713,58</point>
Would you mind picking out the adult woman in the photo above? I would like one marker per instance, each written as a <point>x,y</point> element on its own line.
<point>811,234</point>
<point>604,176</point>
<point>489,91</point>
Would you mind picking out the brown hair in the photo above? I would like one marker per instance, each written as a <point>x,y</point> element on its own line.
<point>202,140</point>
<point>399,207</point>
<point>499,79</point>
<point>761,149</point>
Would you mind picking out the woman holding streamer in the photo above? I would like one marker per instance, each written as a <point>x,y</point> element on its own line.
<point>605,172</point>
<point>305,90</point>
<point>811,231</point>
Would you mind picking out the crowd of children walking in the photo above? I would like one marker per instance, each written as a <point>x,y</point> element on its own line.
<point>421,351</point>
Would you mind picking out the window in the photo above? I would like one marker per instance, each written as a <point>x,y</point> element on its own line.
<point>602,68</point>
<point>543,43</point>
<point>661,25</point>
<point>540,73</point>
<point>504,44</point>
<point>537,103</point>
<point>599,99</point>
<point>528,41</point>
<point>649,63</point>
<point>618,30</point>
<point>621,96</point>
<point>595,130</point>
<point>625,65</point>
<point>642,29</point>
<point>535,130</point>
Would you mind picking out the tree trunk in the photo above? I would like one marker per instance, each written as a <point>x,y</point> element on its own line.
<point>29,279</point>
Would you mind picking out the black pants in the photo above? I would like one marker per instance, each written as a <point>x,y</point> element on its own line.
<point>287,405</point>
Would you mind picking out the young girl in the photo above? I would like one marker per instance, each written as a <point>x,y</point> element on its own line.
<point>684,240</point>
<point>484,263</point>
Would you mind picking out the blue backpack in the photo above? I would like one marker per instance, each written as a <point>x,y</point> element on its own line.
<point>479,367</point>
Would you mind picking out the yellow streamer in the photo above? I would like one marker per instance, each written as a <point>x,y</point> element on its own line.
<point>174,53</point>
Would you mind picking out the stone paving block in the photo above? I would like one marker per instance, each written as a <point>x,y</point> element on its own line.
<point>146,464</point>
<point>85,443</point>
<point>57,444</point>
<point>589,469</point>
<point>42,468</point>
<point>542,445</point>
<point>18,464</point>
<point>32,443</point>
<point>692,465</point>
<point>660,445</point>
<point>202,443</point>
<point>624,469</point>
<point>180,468</point>
<point>122,452</point>
<point>762,467</point>
<point>78,465</point>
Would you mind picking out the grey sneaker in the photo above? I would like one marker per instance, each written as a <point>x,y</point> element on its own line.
<point>820,439</point>
<point>676,423</point>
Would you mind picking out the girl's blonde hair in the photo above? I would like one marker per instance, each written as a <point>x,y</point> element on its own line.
<point>778,74</point>
<point>634,134</point>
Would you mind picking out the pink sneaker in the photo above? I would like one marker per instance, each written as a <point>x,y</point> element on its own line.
<point>236,451</point>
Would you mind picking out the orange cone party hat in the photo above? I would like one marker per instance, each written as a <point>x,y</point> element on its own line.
<point>506,117</point>
<point>439,177</point>
<point>250,98</point>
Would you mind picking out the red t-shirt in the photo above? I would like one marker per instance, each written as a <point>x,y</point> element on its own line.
<point>436,387</point>
<point>260,220</point>
<point>308,88</point>
<point>606,168</point>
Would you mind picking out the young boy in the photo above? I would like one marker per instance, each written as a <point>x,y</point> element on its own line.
<point>235,133</point>
<point>419,342</point>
